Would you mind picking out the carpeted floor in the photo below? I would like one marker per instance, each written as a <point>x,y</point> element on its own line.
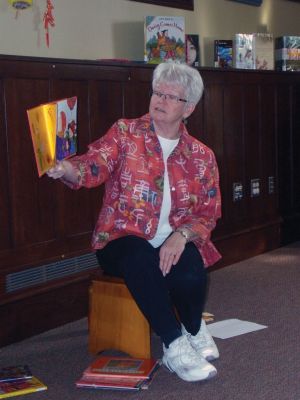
<point>262,365</point>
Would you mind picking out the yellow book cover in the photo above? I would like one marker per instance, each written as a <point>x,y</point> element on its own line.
<point>17,388</point>
<point>53,128</point>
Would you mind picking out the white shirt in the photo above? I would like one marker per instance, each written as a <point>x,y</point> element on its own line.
<point>164,228</point>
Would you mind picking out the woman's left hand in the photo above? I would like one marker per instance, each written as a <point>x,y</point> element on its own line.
<point>171,251</point>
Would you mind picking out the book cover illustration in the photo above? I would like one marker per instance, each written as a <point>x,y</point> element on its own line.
<point>17,388</point>
<point>243,51</point>
<point>164,39</point>
<point>223,53</point>
<point>287,48</point>
<point>53,128</point>
<point>254,51</point>
<point>192,50</point>
<point>14,373</point>
<point>263,45</point>
<point>287,53</point>
<point>121,367</point>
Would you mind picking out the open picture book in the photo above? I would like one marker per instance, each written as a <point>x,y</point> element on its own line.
<point>53,129</point>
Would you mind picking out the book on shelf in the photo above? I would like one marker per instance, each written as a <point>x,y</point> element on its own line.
<point>192,50</point>
<point>20,387</point>
<point>53,129</point>
<point>164,39</point>
<point>15,373</point>
<point>223,53</point>
<point>254,51</point>
<point>287,53</point>
<point>287,65</point>
<point>110,372</point>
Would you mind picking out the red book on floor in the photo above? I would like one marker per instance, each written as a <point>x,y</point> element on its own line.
<point>121,367</point>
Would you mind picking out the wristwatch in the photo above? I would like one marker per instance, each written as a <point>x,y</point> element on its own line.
<point>183,233</point>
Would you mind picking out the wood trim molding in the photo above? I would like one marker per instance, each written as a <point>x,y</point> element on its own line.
<point>183,4</point>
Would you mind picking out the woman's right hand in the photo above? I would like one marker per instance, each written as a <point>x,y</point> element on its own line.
<point>58,171</point>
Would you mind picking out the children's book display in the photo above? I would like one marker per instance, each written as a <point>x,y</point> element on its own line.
<point>254,51</point>
<point>192,50</point>
<point>287,53</point>
<point>118,373</point>
<point>223,53</point>
<point>53,128</point>
<point>164,39</point>
<point>18,380</point>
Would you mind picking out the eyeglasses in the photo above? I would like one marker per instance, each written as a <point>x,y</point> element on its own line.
<point>172,98</point>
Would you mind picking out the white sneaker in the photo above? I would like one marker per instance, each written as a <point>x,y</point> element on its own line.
<point>202,342</point>
<point>181,358</point>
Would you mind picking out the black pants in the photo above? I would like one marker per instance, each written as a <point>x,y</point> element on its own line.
<point>184,288</point>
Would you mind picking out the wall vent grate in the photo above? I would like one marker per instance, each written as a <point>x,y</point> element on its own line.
<point>49,272</point>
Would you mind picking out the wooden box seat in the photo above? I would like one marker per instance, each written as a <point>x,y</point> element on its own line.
<point>115,321</point>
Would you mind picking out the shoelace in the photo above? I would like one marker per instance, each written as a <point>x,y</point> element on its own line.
<point>186,351</point>
<point>199,341</point>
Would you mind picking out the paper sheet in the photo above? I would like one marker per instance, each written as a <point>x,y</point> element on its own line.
<point>232,327</point>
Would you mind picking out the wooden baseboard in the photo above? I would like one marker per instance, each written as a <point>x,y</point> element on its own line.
<point>27,316</point>
<point>290,230</point>
<point>247,243</point>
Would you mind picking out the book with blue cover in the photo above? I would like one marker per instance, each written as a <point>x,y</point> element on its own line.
<point>223,53</point>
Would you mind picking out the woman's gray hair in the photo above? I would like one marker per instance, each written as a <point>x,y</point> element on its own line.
<point>180,74</point>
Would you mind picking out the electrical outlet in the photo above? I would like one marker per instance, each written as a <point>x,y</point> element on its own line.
<point>255,187</point>
<point>271,184</point>
<point>237,191</point>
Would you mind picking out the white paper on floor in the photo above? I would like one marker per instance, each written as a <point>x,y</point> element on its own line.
<point>232,327</point>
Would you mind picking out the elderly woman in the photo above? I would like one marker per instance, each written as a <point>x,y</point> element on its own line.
<point>161,203</point>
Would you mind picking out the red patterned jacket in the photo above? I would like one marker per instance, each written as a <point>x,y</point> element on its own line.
<point>128,158</point>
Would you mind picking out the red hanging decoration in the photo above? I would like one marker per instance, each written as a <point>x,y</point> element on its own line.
<point>48,20</point>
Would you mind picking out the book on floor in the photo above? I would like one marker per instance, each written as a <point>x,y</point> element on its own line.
<point>14,373</point>
<point>53,129</point>
<point>117,383</point>
<point>20,387</point>
<point>122,367</point>
<point>109,372</point>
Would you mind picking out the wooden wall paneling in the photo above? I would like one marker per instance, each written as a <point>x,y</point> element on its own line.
<point>296,147</point>
<point>72,224</point>
<point>284,123</point>
<point>285,164</point>
<point>212,134</point>
<point>137,92</point>
<point>195,123</point>
<point>45,309</point>
<point>268,109</point>
<point>253,154</point>
<point>5,227</point>
<point>106,103</point>
<point>291,143</point>
<point>234,158</point>
<point>28,194</point>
